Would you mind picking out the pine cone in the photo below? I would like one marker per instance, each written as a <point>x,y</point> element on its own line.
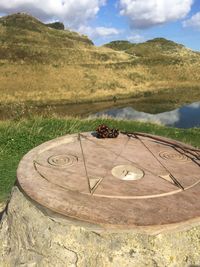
<point>103,131</point>
<point>113,133</point>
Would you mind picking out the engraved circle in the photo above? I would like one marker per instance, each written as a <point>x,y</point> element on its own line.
<point>127,172</point>
<point>62,161</point>
<point>174,156</point>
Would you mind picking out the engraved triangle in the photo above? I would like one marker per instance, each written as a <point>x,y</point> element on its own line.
<point>167,177</point>
<point>94,182</point>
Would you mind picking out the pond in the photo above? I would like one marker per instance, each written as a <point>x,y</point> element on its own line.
<point>167,107</point>
<point>187,116</point>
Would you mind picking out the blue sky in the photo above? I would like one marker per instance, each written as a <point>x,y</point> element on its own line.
<point>106,20</point>
<point>110,17</point>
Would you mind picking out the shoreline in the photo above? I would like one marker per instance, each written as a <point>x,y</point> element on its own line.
<point>154,102</point>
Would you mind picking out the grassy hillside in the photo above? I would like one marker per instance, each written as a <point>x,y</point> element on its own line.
<point>41,64</point>
<point>24,39</point>
<point>153,48</point>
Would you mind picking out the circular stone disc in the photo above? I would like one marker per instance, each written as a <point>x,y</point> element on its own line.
<point>127,172</point>
<point>123,182</point>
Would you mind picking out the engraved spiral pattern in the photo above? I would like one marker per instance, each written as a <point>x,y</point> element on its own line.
<point>174,156</point>
<point>62,161</point>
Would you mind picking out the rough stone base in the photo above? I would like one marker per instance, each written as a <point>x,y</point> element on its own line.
<point>30,237</point>
<point>2,206</point>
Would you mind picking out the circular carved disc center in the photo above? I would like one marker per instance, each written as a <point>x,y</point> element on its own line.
<point>127,172</point>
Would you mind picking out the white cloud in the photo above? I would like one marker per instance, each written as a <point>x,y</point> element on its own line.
<point>136,38</point>
<point>144,14</point>
<point>98,31</point>
<point>195,105</point>
<point>72,12</point>
<point>193,22</point>
<point>166,118</point>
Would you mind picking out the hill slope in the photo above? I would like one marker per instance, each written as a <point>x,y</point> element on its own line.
<point>158,47</point>
<point>41,64</point>
<point>23,37</point>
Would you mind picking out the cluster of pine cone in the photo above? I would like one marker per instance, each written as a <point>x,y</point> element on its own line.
<point>103,131</point>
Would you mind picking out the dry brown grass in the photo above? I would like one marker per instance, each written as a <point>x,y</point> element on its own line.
<point>43,65</point>
<point>47,83</point>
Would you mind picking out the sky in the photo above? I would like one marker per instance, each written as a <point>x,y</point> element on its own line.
<point>107,20</point>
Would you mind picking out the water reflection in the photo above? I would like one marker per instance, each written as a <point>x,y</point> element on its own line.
<point>184,117</point>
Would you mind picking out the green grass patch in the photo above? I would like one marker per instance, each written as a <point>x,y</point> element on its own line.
<point>17,138</point>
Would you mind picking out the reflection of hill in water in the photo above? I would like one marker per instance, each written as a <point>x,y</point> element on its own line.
<point>184,117</point>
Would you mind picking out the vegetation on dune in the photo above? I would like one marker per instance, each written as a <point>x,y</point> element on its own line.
<point>120,45</point>
<point>18,138</point>
<point>56,25</point>
<point>46,84</point>
<point>40,64</point>
<point>151,47</point>
<point>26,40</point>
<point>24,29</point>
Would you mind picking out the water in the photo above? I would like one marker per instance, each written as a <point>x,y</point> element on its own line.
<point>156,108</point>
<point>187,116</point>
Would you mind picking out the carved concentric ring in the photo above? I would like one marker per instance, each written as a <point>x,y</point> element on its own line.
<point>174,156</point>
<point>62,161</point>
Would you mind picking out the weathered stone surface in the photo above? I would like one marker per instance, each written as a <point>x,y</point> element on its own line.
<point>30,236</point>
<point>2,206</point>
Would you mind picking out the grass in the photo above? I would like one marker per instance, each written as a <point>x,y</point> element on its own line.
<point>49,83</point>
<point>17,138</point>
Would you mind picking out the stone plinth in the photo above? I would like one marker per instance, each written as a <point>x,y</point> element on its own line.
<point>87,202</point>
<point>33,236</point>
